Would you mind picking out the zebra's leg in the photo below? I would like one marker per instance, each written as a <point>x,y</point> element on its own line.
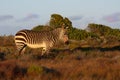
<point>20,49</point>
<point>46,49</point>
<point>43,51</point>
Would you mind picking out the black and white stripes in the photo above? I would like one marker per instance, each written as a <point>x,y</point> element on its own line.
<point>36,39</point>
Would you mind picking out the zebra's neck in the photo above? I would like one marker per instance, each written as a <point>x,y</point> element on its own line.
<point>58,33</point>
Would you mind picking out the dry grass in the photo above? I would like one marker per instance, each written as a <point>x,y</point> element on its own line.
<point>63,65</point>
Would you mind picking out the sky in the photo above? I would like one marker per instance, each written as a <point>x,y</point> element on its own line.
<point>26,14</point>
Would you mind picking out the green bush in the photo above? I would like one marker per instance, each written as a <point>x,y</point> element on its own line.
<point>42,28</point>
<point>34,69</point>
<point>102,30</point>
<point>78,34</point>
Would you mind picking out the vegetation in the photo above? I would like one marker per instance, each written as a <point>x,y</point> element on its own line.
<point>102,30</point>
<point>93,54</point>
<point>57,21</point>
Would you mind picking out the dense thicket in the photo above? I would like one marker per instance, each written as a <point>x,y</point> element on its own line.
<point>105,31</point>
<point>7,40</point>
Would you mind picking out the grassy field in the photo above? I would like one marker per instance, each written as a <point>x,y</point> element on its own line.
<point>79,61</point>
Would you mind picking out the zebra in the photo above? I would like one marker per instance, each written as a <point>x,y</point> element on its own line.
<point>40,39</point>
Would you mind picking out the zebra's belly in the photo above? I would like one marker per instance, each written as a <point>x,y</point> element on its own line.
<point>36,45</point>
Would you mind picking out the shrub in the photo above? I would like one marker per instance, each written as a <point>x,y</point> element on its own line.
<point>36,70</point>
